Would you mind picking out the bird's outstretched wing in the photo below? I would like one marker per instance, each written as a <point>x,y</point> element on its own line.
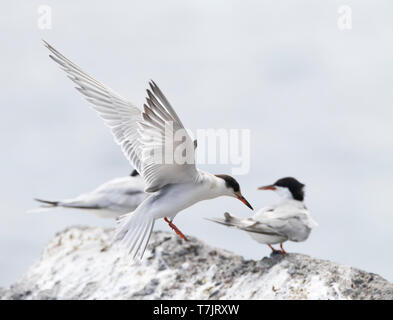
<point>154,141</point>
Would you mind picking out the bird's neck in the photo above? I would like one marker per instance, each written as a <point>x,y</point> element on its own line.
<point>213,185</point>
<point>291,201</point>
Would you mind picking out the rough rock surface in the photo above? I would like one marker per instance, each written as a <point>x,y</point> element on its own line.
<point>80,263</point>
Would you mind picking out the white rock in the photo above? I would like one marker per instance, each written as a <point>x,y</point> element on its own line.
<point>79,263</point>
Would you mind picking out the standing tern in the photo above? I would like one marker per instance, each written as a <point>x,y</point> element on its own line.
<point>110,200</point>
<point>174,185</point>
<point>289,219</point>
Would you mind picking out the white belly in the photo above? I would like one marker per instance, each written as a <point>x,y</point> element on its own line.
<point>266,239</point>
<point>172,199</point>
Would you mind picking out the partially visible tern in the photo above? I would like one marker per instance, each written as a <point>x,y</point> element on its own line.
<point>289,219</point>
<point>110,200</point>
<point>174,184</point>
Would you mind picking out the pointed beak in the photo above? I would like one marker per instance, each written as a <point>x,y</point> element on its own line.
<point>269,187</point>
<point>242,199</point>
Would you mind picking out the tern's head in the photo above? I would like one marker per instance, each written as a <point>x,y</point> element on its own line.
<point>230,187</point>
<point>288,188</point>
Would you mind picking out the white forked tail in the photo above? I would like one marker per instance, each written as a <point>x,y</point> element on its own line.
<point>134,230</point>
<point>228,220</point>
<point>42,209</point>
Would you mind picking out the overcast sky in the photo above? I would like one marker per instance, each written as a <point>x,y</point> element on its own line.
<point>316,99</point>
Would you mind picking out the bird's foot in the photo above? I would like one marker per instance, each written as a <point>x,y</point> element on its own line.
<point>282,249</point>
<point>275,251</point>
<point>174,228</point>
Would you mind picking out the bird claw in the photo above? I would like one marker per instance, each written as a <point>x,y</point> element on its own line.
<point>275,251</point>
<point>176,229</point>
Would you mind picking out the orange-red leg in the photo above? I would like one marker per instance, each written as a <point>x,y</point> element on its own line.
<point>274,250</point>
<point>174,228</point>
<point>282,249</point>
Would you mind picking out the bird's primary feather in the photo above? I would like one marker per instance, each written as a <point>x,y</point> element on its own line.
<point>129,127</point>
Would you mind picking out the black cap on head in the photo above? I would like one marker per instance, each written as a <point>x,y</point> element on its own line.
<point>229,182</point>
<point>294,186</point>
<point>134,173</point>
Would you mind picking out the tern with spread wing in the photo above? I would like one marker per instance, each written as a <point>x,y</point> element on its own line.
<point>289,219</point>
<point>110,200</point>
<point>174,184</point>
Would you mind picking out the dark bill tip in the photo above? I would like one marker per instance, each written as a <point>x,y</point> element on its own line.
<point>242,199</point>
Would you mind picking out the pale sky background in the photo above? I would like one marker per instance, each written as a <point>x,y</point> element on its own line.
<point>318,102</point>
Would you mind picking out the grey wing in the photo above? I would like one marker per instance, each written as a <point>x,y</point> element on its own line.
<point>165,126</point>
<point>140,134</point>
<point>244,224</point>
<point>293,228</point>
<point>120,194</point>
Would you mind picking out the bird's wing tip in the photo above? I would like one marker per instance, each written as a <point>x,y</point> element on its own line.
<point>216,220</point>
